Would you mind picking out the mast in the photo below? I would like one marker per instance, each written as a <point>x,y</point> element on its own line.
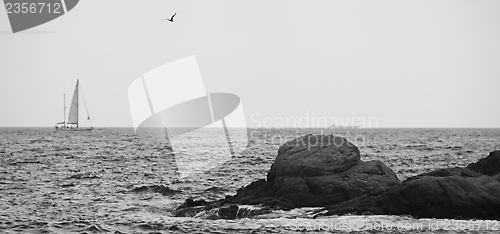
<point>64,104</point>
<point>76,93</point>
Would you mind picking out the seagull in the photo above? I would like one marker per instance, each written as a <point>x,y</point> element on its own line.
<point>171,18</point>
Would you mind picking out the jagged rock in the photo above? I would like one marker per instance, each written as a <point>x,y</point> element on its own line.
<point>192,203</point>
<point>317,170</point>
<point>487,166</point>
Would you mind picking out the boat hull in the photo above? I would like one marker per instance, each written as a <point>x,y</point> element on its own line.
<point>74,129</point>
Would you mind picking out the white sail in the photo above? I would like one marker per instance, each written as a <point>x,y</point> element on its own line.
<point>73,109</point>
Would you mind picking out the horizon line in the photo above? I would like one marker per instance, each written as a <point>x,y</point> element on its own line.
<point>339,128</point>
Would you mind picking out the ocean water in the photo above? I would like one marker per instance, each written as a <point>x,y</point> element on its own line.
<point>83,182</point>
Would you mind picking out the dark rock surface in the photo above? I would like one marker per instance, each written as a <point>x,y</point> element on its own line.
<point>497,177</point>
<point>432,197</point>
<point>192,203</point>
<point>327,171</point>
<point>317,170</point>
<point>458,193</point>
<point>230,212</point>
<point>487,166</point>
<point>310,171</point>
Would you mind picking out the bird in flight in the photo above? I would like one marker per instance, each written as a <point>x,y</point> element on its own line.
<point>171,18</point>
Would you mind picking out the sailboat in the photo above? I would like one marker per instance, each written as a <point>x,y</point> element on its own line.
<point>72,124</point>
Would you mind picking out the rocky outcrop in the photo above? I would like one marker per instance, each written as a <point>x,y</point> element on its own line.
<point>310,171</point>
<point>432,197</point>
<point>458,193</point>
<point>487,166</point>
<point>317,170</point>
<point>327,171</point>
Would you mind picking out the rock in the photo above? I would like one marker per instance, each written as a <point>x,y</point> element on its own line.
<point>497,177</point>
<point>453,193</point>
<point>451,197</point>
<point>316,170</point>
<point>455,171</point>
<point>487,166</point>
<point>230,212</point>
<point>324,170</point>
<point>192,203</point>
<point>313,155</point>
<point>218,210</point>
<point>191,208</point>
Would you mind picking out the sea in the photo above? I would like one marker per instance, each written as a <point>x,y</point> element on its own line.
<point>90,182</point>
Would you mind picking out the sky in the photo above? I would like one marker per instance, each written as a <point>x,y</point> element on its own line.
<point>390,63</point>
